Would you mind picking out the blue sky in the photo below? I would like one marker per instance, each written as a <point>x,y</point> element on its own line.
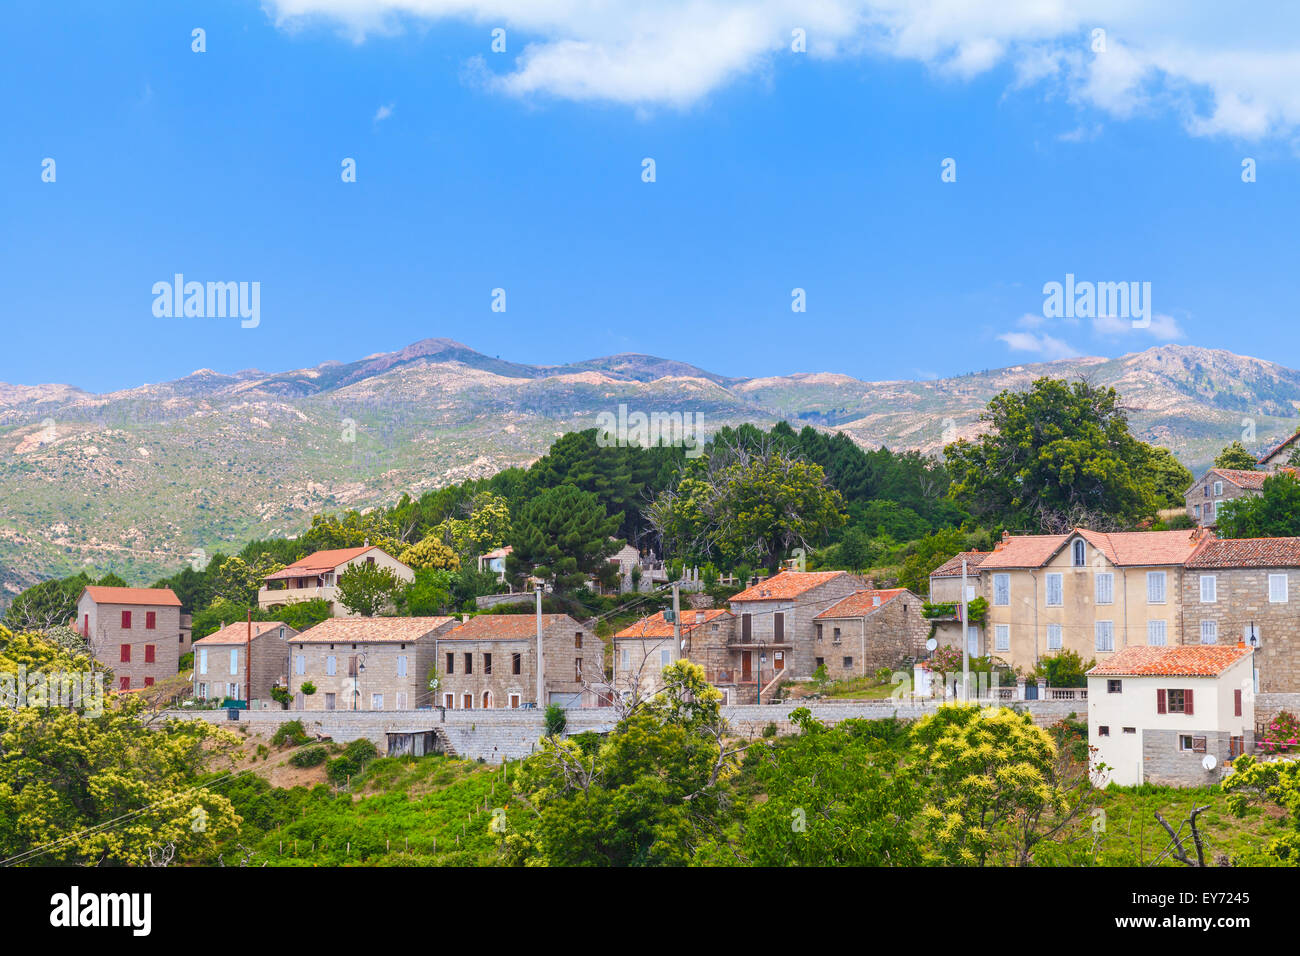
<point>522,170</point>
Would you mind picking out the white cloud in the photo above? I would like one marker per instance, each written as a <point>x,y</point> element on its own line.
<point>1043,345</point>
<point>1222,72</point>
<point>383,113</point>
<point>1163,328</point>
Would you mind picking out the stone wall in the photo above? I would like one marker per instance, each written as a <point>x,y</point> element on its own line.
<point>1241,602</point>
<point>1164,764</point>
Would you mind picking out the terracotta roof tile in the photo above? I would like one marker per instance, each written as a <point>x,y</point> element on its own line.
<point>320,561</point>
<point>952,567</point>
<point>372,630</point>
<point>656,626</point>
<point>162,597</point>
<point>1251,480</point>
<point>862,603</point>
<point>1278,447</point>
<point>237,633</point>
<point>786,585</point>
<point>1247,553</point>
<point>504,627</point>
<point>1180,661</point>
<point>1125,548</point>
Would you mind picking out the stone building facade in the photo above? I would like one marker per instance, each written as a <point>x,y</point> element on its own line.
<point>490,662</point>
<point>642,650</point>
<point>365,663</point>
<point>869,630</point>
<point>1217,487</point>
<point>946,588</point>
<point>316,576</point>
<point>221,662</point>
<point>135,632</point>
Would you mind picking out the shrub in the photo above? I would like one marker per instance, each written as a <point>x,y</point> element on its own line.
<point>1065,669</point>
<point>1282,734</point>
<point>309,756</point>
<point>770,729</point>
<point>290,732</point>
<point>556,720</point>
<point>308,688</point>
<point>351,762</point>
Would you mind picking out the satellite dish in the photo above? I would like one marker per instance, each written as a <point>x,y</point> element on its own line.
<point>931,644</point>
<point>1209,762</point>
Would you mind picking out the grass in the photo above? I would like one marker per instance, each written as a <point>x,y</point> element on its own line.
<point>855,688</point>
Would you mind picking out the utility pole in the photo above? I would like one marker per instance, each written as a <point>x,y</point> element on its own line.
<point>541,680</point>
<point>965,639</point>
<point>248,659</point>
<point>677,620</point>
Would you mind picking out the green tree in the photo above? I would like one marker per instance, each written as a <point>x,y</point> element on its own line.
<point>562,537</point>
<point>1273,513</point>
<point>1236,457</point>
<point>430,554</point>
<point>1170,479</point>
<point>367,589</point>
<point>47,604</point>
<point>429,594</point>
<point>1057,456</point>
<point>1276,782</point>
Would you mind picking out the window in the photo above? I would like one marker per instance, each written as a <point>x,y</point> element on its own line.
<point>1055,592</point>
<point>1236,702</point>
<point>970,594</point>
<point>1079,553</point>
<point>517,662</point>
<point>203,691</point>
<point>401,665</point>
<point>1054,637</point>
<point>1209,632</point>
<point>126,654</point>
<point>1277,589</point>
<point>330,701</point>
<point>451,663</point>
<point>124,683</point>
<point>1218,505</point>
<point>746,627</point>
<point>665,657</point>
<point>1196,510</point>
<point>1106,588</point>
<point>1155,587</point>
<point>487,663</point>
<point>148,682</point>
<point>1218,490</point>
<point>1173,701</point>
<point>487,700</point>
<point>577,640</point>
<point>973,641</point>
<point>625,659</point>
<point>467,701</point>
<point>469,663</point>
<point>150,620</point>
<point>331,665</point>
<point>148,653</point>
<point>835,636</point>
<point>401,700</point>
<point>234,660</point>
<point>1209,589</point>
<point>1001,590</point>
<point>514,701</point>
<point>449,701</point>
<point>778,626</point>
<point>819,632</point>
<point>1189,744</point>
<point>203,660</point>
<point>1103,731</point>
<point>1157,633</point>
<point>821,662</point>
<point>376,701</point>
<point>577,668</point>
<point>300,665</point>
<point>1104,632</point>
<point>126,620</point>
<point>1002,634</point>
<point>1114,687</point>
<point>1130,730</point>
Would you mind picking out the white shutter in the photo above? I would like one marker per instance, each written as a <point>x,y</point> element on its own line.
<point>1002,632</point>
<point>1055,591</point>
<point>1002,589</point>
<point>1277,589</point>
<point>1105,635</point>
<point>300,664</point>
<point>1157,633</point>
<point>1106,588</point>
<point>1209,632</point>
<point>401,665</point>
<point>1053,637</point>
<point>234,660</point>
<point>1209,589</point>
<point>203,660</point>
<point>1155,587</point>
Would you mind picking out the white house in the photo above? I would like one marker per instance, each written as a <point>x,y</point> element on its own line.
<point>316,577</point>
<point>1171,715</point>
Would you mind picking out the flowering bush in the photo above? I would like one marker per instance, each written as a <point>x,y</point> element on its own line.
<point>1282,735</point>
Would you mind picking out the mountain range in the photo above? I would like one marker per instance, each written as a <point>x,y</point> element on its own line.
<point>141,480</point>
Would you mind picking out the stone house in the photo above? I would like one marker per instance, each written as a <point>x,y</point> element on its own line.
<point>945,588</point>
<point>1173,716</point>
<point>366,663</point>
<point>1212,490</point>
<point>490,662</point>
<point>1277,457</point>
<point>643,649</point>
<point>775,633</point>
<point>222,661</point>
<point>316,577</point>
<point>135,632</point>
<point>1088,592</point>
<point>1240,591</point>
<point>868,630</point>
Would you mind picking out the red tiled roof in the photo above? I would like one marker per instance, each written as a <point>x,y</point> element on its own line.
<point>1277,448</point>
<point>237,633</point>
<point>1179,661</point>
<point>786,585</point>
<point>656,626</point>
<point>1023,551</point>
<point>319,561</point>
<point>372,630</point>
<point>1247,553</point>
<point>862,603</point>
<point>504,627</point>
<point>952,567</point>
<point>1250,480</point>
<point>1124,548</point>
<point>160,597</point>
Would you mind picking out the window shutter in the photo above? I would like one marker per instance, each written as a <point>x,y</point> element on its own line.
<point>1187,700</point>
<point>126,653</point>
<point>1198,745</point>
<point>1160,702</point>
<point>1236,703</point>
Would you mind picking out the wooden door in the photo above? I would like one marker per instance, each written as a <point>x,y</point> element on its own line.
<point>778,661</point>
<point>746,672</point>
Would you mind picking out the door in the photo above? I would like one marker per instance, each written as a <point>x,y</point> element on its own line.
<point>746,673</point>
<point>778,661</point>
<point>778,628</point>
